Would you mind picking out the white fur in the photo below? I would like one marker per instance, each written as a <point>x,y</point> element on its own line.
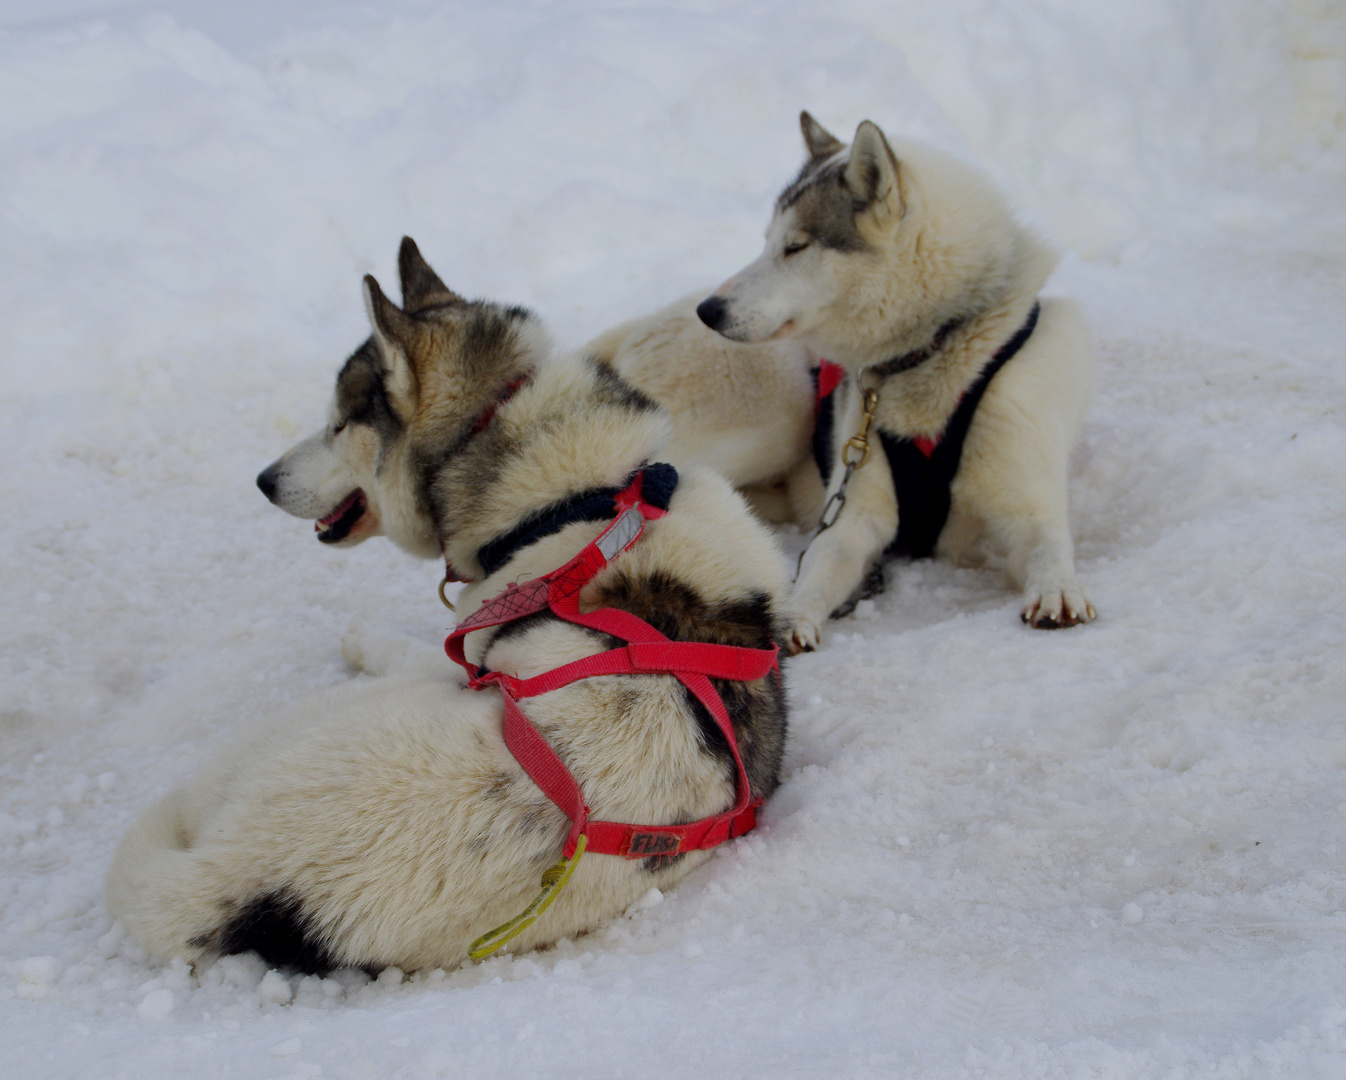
<point>745,411</point>
<point>392,810</point>
<point>938,240</point>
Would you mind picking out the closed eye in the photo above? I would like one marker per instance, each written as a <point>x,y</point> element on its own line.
<point>794,249</point>
<point>339,429</point>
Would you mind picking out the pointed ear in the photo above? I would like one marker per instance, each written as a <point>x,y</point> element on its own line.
<point>871,174</point>
<point>821,143</point>
<point>421,287</point>
<point>393,331</point>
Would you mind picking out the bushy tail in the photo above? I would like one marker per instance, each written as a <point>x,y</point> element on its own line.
<point>156,885</point>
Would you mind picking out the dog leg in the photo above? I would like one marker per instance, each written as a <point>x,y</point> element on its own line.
<point>376,649</point>
<point>1025,512</point>
<point>1042,562</point>
<point>839,557</point>
<point>1013,477</point>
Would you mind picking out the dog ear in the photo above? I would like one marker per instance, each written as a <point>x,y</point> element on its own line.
<point>871,173</point>
<point>421,287</point>
<point>393,332</point>
<point>821,143</point>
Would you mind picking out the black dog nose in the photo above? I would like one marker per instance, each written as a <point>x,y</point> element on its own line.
<point>712,311</point>
<point>266,480</point>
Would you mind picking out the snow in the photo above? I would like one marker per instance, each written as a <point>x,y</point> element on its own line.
<point>1114,851</point>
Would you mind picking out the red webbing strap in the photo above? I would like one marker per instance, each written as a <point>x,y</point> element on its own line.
<point>545,769</point>
<point>830,376</point>
<point>514,603</point>
<point>648,658</point>
<point>535,595</point>
<point>638,841</point>
<point>647,652</point>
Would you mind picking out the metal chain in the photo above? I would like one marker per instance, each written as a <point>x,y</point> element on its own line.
<point>853,455</point>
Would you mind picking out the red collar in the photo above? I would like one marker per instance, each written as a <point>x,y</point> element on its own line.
<point>479,425</point>
<point>511,388</point>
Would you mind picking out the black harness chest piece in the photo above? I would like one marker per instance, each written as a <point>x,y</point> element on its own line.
<point>922,474</point>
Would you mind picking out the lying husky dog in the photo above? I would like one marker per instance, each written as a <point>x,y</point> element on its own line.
<point>393,823</point>
<point>907,268</point>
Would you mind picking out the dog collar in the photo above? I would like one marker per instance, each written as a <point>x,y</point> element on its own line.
<point>908,360</point>
<point>657,483</point>
<point>488,414</point>
<point>479,425</point>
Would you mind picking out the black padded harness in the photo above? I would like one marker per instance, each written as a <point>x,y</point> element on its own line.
<point>922,474</point>
<point>596,504</point>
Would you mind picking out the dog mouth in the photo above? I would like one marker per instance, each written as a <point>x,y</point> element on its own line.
<point>337,525</point>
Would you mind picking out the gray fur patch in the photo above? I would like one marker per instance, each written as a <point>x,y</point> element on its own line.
<point>823,205</point>
<point>756,709</point>
<point>481,342</point>
<point>421,286</point>
<point>613,389</point>
<point>362,397</point>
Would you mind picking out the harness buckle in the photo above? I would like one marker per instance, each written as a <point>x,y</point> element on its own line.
<point>859,442</point>
<point>553,881</point>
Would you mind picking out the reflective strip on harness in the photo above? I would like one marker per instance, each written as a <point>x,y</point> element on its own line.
<point>625,530</point>
<point>646,652</point>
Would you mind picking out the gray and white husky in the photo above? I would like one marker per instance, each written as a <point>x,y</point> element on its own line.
<point>908,268</point>
<point>388,823</point>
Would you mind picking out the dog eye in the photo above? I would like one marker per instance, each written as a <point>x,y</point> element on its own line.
<point>339,429</point>
<point>794,249</point>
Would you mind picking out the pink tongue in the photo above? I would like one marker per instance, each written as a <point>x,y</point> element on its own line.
<point>345,505</point>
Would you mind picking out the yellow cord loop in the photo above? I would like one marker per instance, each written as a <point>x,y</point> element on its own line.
<point>553,881</point>
<point>447,602</point>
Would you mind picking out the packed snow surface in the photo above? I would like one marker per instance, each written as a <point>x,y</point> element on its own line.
<point>1115,851</point>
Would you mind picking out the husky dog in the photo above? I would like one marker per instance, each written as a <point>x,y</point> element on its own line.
<point>908,269</point>
<point>389,824</point>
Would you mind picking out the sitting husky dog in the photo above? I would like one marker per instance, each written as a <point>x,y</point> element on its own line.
<point>907,268</point>
<point>391,823</point>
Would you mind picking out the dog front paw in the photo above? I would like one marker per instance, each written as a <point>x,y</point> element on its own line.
<point>805,636</point>
<point>1054,607</point>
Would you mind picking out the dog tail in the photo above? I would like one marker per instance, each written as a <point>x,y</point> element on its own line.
<point>158,888</point>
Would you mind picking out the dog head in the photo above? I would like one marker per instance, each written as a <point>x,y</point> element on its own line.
<point>416,391</point>
<point>871,250</point>
<point>824,238</point>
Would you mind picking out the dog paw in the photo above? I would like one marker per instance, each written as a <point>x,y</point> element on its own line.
<point>1054,607</point>
<point>805,636</point>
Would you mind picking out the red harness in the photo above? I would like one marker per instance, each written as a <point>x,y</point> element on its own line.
<point>647,652</point>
